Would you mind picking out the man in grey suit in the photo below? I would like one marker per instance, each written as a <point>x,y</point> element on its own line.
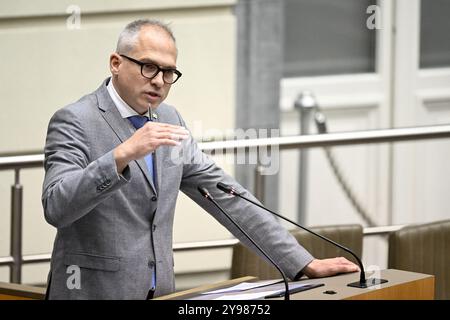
<point>112,181</point>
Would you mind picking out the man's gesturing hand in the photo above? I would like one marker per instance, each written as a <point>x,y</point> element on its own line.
<point>146,139</point>
<point>329,267</point>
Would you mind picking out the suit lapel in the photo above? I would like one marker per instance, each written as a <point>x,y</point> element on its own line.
<point>119,126</point>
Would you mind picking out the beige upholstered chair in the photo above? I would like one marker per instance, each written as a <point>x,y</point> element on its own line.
<point>424,248</point>
<point>246,263</point>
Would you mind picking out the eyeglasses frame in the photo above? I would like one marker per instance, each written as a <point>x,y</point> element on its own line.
<point>142,64</point>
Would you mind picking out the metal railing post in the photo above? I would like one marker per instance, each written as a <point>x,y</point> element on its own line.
<point>305,103</point>
<point>16,230</point>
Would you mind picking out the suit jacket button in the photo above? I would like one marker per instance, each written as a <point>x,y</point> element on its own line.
<point>151,264</point>
<point>154,198</point>
<point>154,227</point>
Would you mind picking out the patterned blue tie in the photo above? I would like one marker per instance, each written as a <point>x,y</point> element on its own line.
<point>138,122</point>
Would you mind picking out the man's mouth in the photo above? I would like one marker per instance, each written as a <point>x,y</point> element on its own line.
<point>152,94</point>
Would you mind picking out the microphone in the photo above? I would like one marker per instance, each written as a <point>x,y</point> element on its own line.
<point>362,283</point>
<point>205,193</point>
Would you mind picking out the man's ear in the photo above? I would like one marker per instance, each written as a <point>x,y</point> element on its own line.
<point>114,63</point>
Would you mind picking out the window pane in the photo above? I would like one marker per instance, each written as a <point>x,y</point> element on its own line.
<point>325,37</point>
<point>435,26</point>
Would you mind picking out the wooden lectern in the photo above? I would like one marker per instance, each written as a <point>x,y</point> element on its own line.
<point>12,291</point>
<point>401,285</point>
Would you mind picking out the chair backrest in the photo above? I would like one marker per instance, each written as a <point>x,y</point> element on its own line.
<point>247,263</point>
<point>424,248</point>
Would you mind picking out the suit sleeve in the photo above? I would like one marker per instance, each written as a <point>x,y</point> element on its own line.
<point>74,184</point>
<point>265,230</point>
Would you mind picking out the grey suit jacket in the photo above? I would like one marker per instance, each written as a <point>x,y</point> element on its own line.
<point>117,229</point>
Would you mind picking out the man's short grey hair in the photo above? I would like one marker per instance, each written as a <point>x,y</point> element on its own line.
<point>128,36</point>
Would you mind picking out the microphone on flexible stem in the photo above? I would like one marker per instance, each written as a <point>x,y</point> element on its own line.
<point>362,283</point>
<point>204,192</point>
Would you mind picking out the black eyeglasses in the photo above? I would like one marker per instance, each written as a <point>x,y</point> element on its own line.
<point>150,70</point>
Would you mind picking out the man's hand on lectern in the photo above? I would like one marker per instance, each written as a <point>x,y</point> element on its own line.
<point>319,268</point>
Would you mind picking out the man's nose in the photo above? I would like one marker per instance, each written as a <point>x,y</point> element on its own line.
<point>158,80</point>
